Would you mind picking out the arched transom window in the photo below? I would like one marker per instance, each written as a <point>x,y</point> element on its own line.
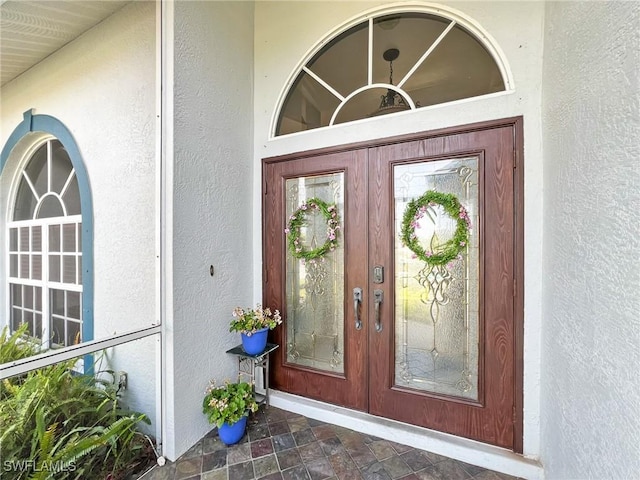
<point>45,249</point>
<point>387,64</point>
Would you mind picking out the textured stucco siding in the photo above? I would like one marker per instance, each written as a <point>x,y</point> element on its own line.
<point>591,308</point>
<point>212,206</point>
<point>101,86</point>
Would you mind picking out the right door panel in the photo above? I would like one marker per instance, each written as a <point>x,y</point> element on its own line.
<point>442,227</point>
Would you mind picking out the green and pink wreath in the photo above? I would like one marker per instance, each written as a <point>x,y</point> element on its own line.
<point>298,219</point>
<point>448,251</point>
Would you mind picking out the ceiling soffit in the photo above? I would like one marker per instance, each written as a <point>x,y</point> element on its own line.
<point>30,31</point>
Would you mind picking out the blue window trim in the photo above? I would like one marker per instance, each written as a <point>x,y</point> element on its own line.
<point>53,126</point>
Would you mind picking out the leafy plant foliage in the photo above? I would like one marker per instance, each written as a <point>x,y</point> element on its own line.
<point>228,403</point>
<point>249,321</point>
<point>55,423</point>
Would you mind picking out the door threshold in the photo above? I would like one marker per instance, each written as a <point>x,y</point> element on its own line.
<point>457,448</point>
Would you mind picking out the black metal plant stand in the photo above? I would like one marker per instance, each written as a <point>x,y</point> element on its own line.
<point>247,365</point>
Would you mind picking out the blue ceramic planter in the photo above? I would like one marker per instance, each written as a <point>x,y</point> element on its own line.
<point>256,343</point>
<point>231,434</point>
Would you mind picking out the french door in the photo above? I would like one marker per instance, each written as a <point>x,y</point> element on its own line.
<point>395,266</point>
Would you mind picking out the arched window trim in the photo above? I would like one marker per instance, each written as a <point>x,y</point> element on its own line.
<point>51,127</point>
<point>455,16</point>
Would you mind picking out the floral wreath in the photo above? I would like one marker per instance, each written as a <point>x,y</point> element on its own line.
<point>447,251</point>
<point>297,220</point>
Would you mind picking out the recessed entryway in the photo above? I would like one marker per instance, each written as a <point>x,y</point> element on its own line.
<point>425,332</point>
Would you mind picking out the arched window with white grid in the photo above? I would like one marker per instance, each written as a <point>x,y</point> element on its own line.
<point>45,248</point>
<point>391,60</point>
<point>47,234</point>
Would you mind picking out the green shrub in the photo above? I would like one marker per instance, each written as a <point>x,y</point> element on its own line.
<point>55,423</point>
<point>14,347</point>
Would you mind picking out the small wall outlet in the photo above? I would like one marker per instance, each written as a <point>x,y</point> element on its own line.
<point>123,380</point>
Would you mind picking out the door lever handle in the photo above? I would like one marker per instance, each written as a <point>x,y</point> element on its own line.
<point>357,300</point>
<point>377,301</point>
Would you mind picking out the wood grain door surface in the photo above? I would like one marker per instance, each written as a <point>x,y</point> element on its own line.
<point>370,380</point>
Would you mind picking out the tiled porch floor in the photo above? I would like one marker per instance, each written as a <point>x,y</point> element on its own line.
<point>281,445</point>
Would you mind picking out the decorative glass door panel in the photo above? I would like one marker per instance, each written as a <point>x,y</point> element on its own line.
<point>436,305</point>
<point>315,286</point>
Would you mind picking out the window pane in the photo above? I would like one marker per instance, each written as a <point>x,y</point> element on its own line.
<point>80,270</point>
<point>24,266</point>
<point>411,34</point>
<point>459,67</point>
<point>309,105</point>
<point>71,198</point>
<point>13,239</point>
<point>16,295</point>
<point>38,298</point>
<point>50,207</point>
<point>367,104</point>
<point>13,265</point>
<point>16,318</point>
<point>57,302</point>
<point>60,166</point>
<point>27,317</point>
<point>69,237</point>
<point>343,63</point>
<point>25,202</point>
<point>36,238</point>
<point>24,239</point>
<point>37,170</point>
<point>36,267</point>
<point>57,331</point>
<point>54,238</point>
<point>73,333</point>
<point>37,322</point>
<point>28,296</point>
<point>69,265</point>
<point>73,305</point>
<point>54,268</point>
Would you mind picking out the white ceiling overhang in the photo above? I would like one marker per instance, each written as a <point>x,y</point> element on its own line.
<point>30,31</point>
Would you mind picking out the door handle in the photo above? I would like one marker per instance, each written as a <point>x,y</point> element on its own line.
<point>357,300</point>
<point>377,301</point>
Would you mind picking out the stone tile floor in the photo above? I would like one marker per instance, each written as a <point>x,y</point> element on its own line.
<point>281,445</point>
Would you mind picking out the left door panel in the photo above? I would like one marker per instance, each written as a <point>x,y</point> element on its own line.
<point>323,352</point>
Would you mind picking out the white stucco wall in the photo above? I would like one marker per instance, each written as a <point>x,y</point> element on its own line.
<point>212,205</point>
<point>591,313</point>
<point>286,31</point>
<point>102,86</point>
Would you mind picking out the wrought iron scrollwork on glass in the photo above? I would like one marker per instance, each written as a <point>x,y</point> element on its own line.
<point>437,305</point>
<point>314,287</point>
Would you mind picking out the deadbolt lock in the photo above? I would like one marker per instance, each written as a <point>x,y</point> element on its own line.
<point>378,274</point>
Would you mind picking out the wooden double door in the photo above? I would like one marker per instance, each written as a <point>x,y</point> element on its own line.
<point>385,308</point>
